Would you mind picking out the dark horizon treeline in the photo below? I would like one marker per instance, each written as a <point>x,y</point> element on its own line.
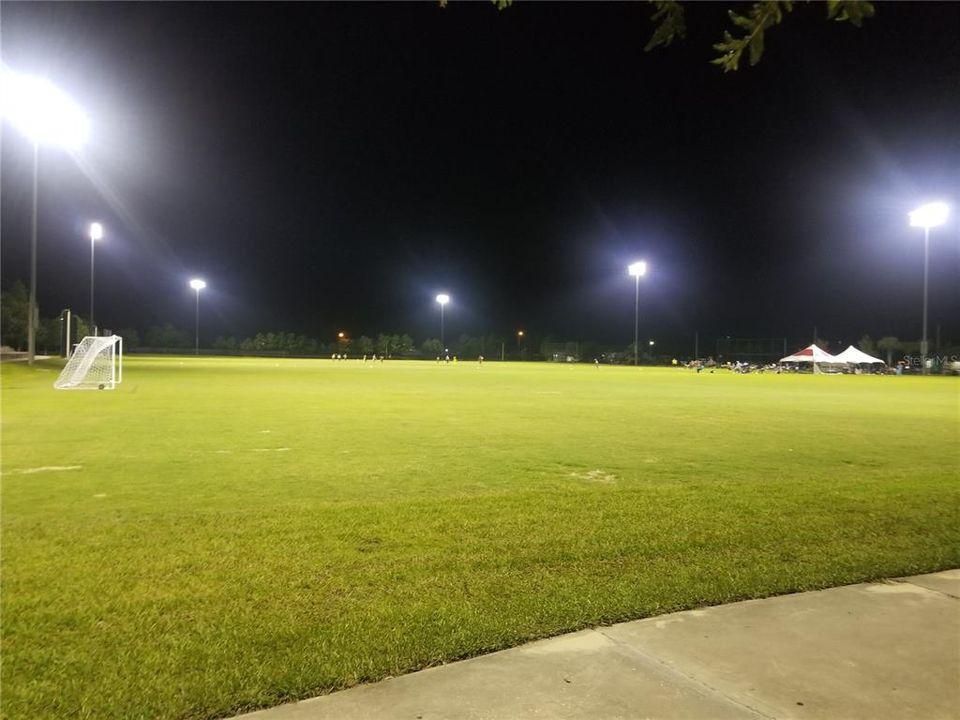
<point>167,337</point>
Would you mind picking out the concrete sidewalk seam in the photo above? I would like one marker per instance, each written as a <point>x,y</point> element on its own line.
<point>700,685</point>
<point>923,587</point>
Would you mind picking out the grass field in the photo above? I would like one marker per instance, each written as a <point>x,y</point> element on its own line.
<point>226,534</point>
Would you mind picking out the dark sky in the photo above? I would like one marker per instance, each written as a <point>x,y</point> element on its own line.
<point>334,166</point>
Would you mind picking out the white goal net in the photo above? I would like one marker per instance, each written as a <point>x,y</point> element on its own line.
<point>96,364</point>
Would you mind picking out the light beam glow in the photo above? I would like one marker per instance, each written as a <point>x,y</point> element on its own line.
<point>929,215</point>
<point>638,269</point>
<point>41,111</point>
<point>198,284</point>
<point>443,298</point>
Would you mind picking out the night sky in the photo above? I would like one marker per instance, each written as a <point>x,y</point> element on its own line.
<point>334,166</point>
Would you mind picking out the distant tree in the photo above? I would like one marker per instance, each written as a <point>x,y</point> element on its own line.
<point>364,345</point>
<point>889,344</point>
<point>432,348</point>
<point>492,344</point>
<point>911,347</point>
<point>131,338</point>
<point>867,345</point>
<point>48,336</point>
<point>467,346</point>
<point>82,327</point>
<point>224,343</point>
<point>14,304</point>
<point>303,345</point>
<point>820,343</point>
<point>405,344</point>
<point>167,336</point>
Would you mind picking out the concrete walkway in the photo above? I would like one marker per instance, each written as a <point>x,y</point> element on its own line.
<point>878,650</point>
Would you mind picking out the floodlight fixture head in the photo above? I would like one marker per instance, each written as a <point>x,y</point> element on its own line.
<point>341,335</point>
<point>198,284</point>
<point>520,333</point>
<point>652,343</point>
<point>929,215</point>
<point>443,298</point>
<point>638,269</point>
<point>41,111</point>
<point>96,231</point>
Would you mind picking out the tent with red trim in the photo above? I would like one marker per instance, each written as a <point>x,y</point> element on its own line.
<point>811,354</point>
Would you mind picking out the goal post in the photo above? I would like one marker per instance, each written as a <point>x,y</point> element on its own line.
<point>96,364</point>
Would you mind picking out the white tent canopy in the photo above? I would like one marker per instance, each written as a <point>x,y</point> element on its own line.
<point>811,354</point>
<point>855,356</point>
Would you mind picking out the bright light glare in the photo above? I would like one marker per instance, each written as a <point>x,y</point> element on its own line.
<point>40,111</point>
<point>96,231</point>
<point>520,333</point>
<point>443,298</point>
<point>198,284</point>
<point>638,269</point>
<point>929,215</point>
<point>341,335</point>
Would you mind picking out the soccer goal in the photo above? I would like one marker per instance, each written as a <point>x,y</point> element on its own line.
<point>96,364</point>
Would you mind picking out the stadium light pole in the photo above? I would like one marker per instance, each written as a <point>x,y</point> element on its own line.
<point>197,284</point>
<point>520,343</point>
<point>96,233</point>
<point>637,269</point>
<point>927,216</point>
<point>443,299</point>
<point>46,116</point>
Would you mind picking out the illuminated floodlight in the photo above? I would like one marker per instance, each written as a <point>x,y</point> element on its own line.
<point>198,285</point>
<point>41,111</point>
<point>652,343</point>
<point>637,270</point>
<point>46,116</point>
<point>929,215</point>
<point>96,233</point>
<point>520,333</point>
<point>443,299</point>
<point>341,335</point>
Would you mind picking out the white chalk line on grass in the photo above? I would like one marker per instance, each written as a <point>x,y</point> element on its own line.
<point>230,452</point>
<point>45,468</point>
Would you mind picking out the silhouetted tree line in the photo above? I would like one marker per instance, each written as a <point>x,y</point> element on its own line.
<point>14,301</point>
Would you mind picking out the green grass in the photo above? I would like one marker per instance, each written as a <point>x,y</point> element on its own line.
<point>193,568</point>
